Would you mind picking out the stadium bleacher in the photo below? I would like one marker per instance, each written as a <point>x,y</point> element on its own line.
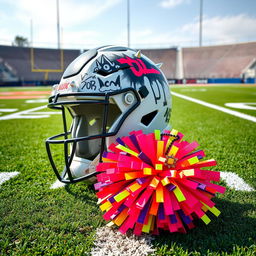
<point>224,63</point>
<point>165,56</point>
<point>27,64</point>
<point>7,73</point>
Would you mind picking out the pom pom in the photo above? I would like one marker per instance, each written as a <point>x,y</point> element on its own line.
<point>155,181</point>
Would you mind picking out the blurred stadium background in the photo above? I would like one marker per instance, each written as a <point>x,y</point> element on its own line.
<point>234,63</point>
<point>219,63</point>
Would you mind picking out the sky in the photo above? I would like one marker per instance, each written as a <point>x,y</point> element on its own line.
<point>153,23</point>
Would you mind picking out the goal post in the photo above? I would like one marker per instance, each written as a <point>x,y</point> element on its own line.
<point>46,70</point>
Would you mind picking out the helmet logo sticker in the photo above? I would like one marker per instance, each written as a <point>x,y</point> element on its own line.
<point>138,67</point>
<point>89,83</point>
<point>63,86</point>
<point>105,66</point>
<point>167,115</point>
<point>109,85</point>
<point>92,83</point>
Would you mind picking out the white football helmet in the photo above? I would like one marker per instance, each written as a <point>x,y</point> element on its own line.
<point>109,92</point>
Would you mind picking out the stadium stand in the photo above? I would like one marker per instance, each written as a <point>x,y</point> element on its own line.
<point>7,73</point>
<point>27,64</point>
<point>213,64</point>
<point>165,56</point>
<point>225,61</point>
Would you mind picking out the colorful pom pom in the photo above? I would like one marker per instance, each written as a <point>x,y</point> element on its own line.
<point>155,181</point>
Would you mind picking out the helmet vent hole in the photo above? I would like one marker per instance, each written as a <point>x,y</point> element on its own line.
<point>148,118</point>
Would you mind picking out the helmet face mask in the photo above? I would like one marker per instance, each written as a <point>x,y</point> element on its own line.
<point>108,92</point>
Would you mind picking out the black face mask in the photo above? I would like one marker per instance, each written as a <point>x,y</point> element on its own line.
<point>87,121</point>
<point>90,123</point>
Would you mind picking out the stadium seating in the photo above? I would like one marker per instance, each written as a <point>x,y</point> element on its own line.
<point>225,61</point>
<point>209,62</point>
<point>21,60</point>
<point>7,73</point>
<point>165,56</point>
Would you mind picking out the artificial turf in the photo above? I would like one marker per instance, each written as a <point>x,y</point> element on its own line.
<point>36,220</point>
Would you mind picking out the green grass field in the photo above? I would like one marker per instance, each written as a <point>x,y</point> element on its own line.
<point>37,220</point>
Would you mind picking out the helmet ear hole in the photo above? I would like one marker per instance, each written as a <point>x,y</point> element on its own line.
<point>148,118</point>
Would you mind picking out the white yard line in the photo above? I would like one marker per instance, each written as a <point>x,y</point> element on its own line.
<point>213,106</point>
<point>8,109</point>
<point>29,114</point>
<point>234,181</point>
<point>37,101</point>
<point>4,176</point>
<point>19,114</point>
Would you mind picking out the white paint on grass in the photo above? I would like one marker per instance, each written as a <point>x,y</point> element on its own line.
<point>8,109</point>
<point>235,182</point>
<point>194,90</point>
<point>29,114</point>
<point>57,184</point>
<point>111,242</point>
<point>37,101</point>
<point>4,176</point>
<point>242,105</point>
<point>213,106</point>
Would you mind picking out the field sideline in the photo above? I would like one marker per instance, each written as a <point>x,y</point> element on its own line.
<point>38,220</point>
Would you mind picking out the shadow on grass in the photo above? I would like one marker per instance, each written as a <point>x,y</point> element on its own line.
<point>233,228</point>
<point>83,191</point>
<point>230,230</point>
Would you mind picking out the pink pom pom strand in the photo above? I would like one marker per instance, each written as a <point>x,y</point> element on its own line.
<point>149,182</point>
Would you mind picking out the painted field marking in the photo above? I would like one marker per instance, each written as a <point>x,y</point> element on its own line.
<point>37,101</point>
<point>8,109</point>
<point>242,105</point>
<point>213,106</point>
<point>25,93</point>
<point>29,114</point>
<point>194,90</point>
<point>4,176</point>
<point>234,181</point>
<point>21,97</point>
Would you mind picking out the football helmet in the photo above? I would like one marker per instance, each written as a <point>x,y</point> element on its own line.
<point>107,93</point>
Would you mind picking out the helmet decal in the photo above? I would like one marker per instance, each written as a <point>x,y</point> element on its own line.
<point>141,69</point>
<point>109,85</point>
<point>167,115</point>
<point>106,66</point>
<point>89,83</point>
<point>92,83</point>
<point>138,67</point>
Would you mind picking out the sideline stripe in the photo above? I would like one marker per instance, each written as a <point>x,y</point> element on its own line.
<point>210,105</point>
